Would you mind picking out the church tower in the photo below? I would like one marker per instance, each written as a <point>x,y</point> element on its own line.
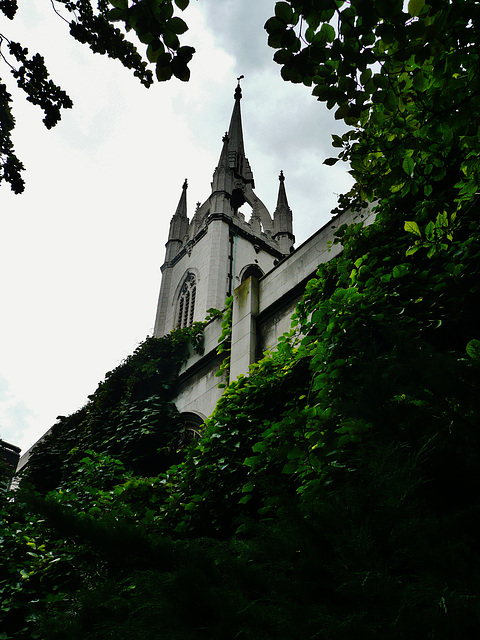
<point>208,257</point>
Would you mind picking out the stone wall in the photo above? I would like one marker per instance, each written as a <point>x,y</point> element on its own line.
<point>261,313</point>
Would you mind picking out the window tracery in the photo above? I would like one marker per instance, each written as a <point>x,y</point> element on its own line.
<point>186,302</point>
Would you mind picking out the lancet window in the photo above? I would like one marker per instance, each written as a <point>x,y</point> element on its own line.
<point>186,302</point>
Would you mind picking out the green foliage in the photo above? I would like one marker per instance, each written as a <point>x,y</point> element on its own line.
<point>32,77</point>
<point>333,492</point>
<point>130,416</point>
<point>405,80</point>
<point>225,340</point>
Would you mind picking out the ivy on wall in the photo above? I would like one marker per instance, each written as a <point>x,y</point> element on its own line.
<point>130,416</point>
<point>339,477</point>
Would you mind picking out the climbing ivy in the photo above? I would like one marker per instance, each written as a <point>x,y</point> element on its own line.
<point>338,477</point>
<point>225,340</point>
<point>130,416</point>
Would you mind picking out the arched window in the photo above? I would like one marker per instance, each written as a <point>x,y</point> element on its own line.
<point>186,302</point>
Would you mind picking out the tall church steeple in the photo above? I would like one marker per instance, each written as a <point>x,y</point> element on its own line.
<point>233,182</point>
<point>237,160</point>
<point>209,257</point>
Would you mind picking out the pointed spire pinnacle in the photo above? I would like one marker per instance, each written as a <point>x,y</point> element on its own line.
<point>179,222</point>
<point>232,182</point>
<point>182,203</point>
<point>232,158</point>
<point>282,201</point>
<point>236,151</point>
<point>282,219</point>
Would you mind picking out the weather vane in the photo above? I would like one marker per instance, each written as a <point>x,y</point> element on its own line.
<point>238,89</point>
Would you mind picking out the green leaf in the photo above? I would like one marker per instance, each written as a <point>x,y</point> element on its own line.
<point>282,56</point>
<point>114,15</point>
<point>331,161</point>
<point>365,76</point>
<point>180,69</point>
<point>419,81</point>
<point>284,11</point>
<point>177,25</point>
<point>432,251</point>
<point>171,39</point>
<point>430,230</point>
<point>119,4</point>
<point>380,81</point>
<point>275,25</point>
<point>412,227</point>
<point>390,101</point>
<point>415,7</point>
<point>328,32</point>
<point>395,188</point>
<point>182,4</point>
<point>240,529</point>
<point>401,270</point>
<point>154,50</point>
<point>186,54</point>
<point>290,467</point>
<point>342,112</point>
<point>163,72</point>
<point>408,165</point>
<point>412,250</point>
<point>473,349</point>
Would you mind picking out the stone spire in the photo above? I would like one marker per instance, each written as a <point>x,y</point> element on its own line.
<point>282,220</point>
<point>236,151</point>
<point>233,173</point>
<point>178,226</point>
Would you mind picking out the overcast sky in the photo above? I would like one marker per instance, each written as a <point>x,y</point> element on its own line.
<point>80,250</point>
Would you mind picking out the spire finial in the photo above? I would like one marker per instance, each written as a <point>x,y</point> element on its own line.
<point>281,177</point>
<point>185,185</point>
<point>238,90</point>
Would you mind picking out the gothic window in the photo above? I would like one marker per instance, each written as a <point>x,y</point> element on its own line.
<point>186,303</point>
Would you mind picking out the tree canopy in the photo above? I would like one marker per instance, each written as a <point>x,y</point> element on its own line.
<point>92,23</point>
<point>403,78</point>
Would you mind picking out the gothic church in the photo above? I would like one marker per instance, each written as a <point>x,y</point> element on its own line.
<point>218,253</point>
<point>207,257</point>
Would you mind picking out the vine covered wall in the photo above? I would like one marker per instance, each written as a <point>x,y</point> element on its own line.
<point>333,491</point>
